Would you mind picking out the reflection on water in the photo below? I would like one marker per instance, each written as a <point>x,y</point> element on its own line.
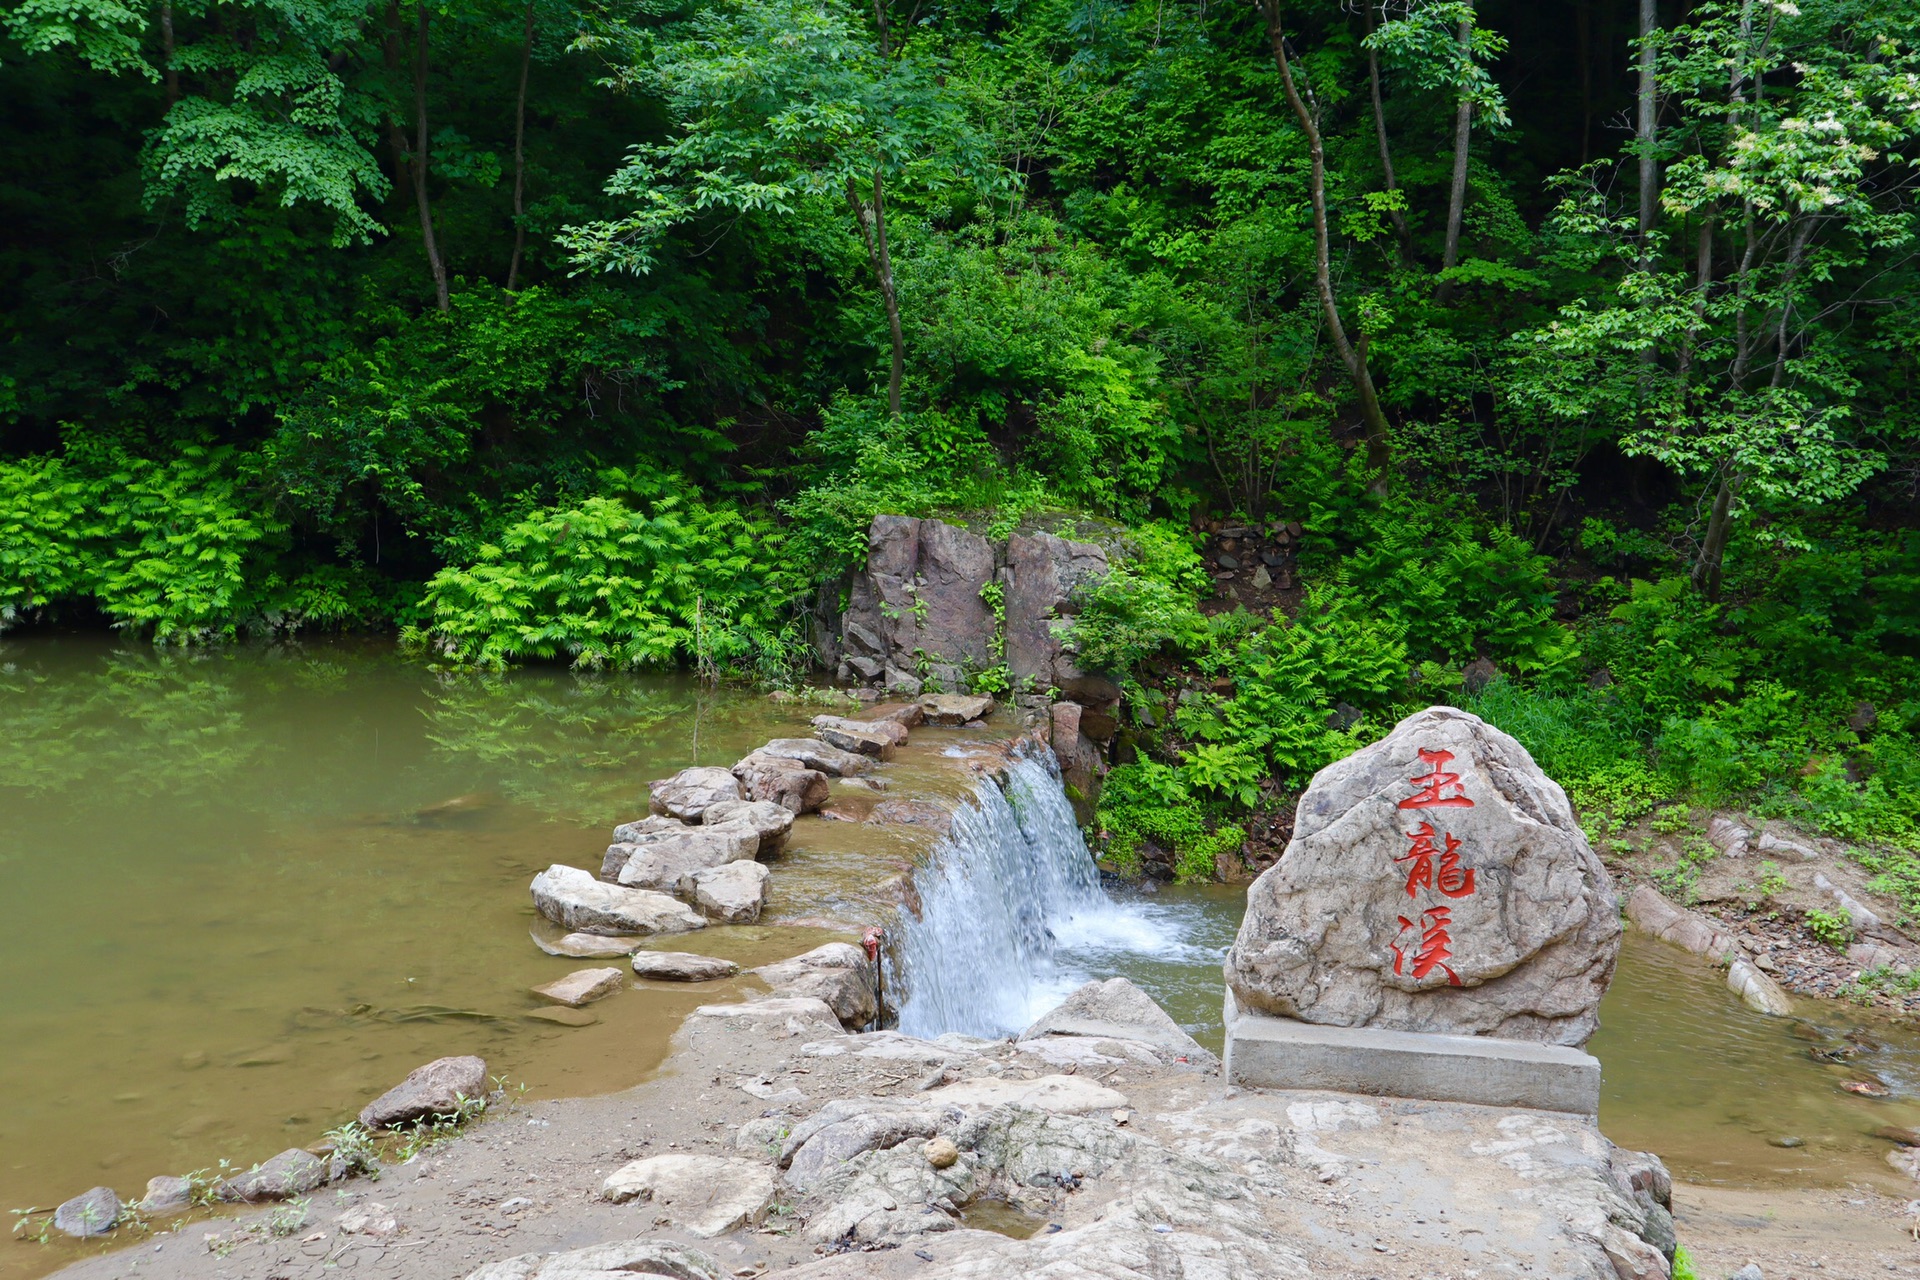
<point>1730,1096</point>
<point>249,889</point>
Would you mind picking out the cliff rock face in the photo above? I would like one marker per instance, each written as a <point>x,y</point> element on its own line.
<point>917,606</point>
<point>1436,882</point>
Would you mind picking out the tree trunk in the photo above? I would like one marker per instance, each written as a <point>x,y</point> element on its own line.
<point>1380,131</point>
<point>1457,197</point>
<point>882,28</point>
<point>884,261</point>
<point>1645,126</point>
<point>520,157</point>
<point>1379,448</point>
<point>420,163</point>
<point>396,74</point>
<point>1713,548</point>
<point>166,50</point>
<point>1583,30</point>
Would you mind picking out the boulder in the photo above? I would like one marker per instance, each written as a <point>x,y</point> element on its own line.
<point>787,783</point>
<point>1728,836</point>
<point>91,1213</point>
<point>704,1195</point>
<point>587,946</point>
<point>681,966</point>
<point>687,793</point>
<point>876,738</point>
<point>1119,1010</point>
<point>628,832</point>
<point>907,715</point>
<point>582,986</point>
<point>1042,576</point>
<point>1862,917</point>
<point>573,899</point>
<point>643,1257</point>
<point>662,861</point>
<point>435,1089</point>
<point>291,1173</point>
<point>730,894</point>
<point>1436,881</point>
<point>771,822</point>
<point>955,708</point>
<point>811,753</point>
<point>167,1193</point>
<point>838,973</point>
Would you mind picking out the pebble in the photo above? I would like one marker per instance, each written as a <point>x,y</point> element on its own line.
<point>1788,1142</point>
<point>515,1204</point>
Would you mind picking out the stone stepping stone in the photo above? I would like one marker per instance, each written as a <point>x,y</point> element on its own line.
<point>582,986</point>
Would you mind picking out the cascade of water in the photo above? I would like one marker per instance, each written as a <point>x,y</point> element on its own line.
<point>1008,886</point>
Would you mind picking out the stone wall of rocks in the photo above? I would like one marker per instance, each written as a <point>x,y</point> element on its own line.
<point>917,619</point>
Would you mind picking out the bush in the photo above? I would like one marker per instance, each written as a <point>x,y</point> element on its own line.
<point>1149,802</point>
<point>608,583</point>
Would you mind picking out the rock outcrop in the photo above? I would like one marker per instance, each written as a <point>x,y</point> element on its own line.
<point>1043,577</point>
<point>1118,1010</point>
<point>1652,913</point>
<point>919,595</point>
<point>1436,881</point>
<point>704,1195</point>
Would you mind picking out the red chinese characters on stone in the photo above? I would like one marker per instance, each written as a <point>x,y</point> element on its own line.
<point>1439,789</point>
<point>1435,949</point>
<point>1454,880</point>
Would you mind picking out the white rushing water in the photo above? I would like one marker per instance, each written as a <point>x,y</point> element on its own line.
<point>1013,917</point>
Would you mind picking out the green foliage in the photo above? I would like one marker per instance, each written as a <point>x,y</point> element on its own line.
<point>1147,802</point>
<point>621,584</point>
<point>1835,928</point>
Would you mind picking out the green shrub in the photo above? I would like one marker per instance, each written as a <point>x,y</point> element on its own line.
<point>1835,928</point>
<point>609,584</point>
<point>1151,802</point>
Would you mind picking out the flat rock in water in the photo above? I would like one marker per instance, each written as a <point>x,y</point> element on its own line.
<point>166,1194</point>
<point>876,738</point>
<point>771,822</point>
<point>573,899</point>
<point>1118,1009</point>
<point>705,1195</point>
<point>1436,881</point>
<point>913,813</point>
<point>681,966</point>
<point>588,946</point>
<point>731,894</point>
<point>582,986</point>
<point>561,1017</point>
<point>811,753</point>
<point>91,1213</point>
<point>627,832</point>
<point>1069,1095</point>
<point>954,708</point>
<point>687,793</point>
<point>431,1090</point>
<point>907,715</point>
<point>778,780</point>
<point>291,1173</point>
<point>661,861</point>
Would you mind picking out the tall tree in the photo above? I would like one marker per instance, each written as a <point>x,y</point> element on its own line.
<point>520,154</point>
<point>1787,171</point>
<point>421,158</point>
<point>786,104</point>
<point>1352,351</point>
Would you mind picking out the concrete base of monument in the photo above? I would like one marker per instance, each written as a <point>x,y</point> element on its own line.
<point>1279,1053</point>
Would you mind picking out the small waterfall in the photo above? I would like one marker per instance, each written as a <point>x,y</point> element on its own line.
<point>1010,885</point>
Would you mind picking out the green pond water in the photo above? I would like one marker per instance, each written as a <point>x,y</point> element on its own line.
<point>247,890</point>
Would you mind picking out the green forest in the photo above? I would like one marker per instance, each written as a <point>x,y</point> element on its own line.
<point>1578,340</point>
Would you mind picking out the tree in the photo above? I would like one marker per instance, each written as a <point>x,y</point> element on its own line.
<point>1783,168</point>
<point>785,104</point>
<point>1352,352</point>
<point>1440,43</point>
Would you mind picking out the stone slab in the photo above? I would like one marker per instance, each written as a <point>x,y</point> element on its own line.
<point>1279,1053</point>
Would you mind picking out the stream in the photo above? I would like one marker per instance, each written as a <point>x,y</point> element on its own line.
<point>250,889</point>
